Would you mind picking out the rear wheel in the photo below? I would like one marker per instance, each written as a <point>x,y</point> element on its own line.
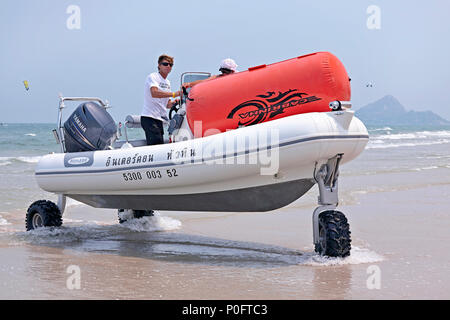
<point>128,214</point>
<point>334,234</point>
<point>43,213</point>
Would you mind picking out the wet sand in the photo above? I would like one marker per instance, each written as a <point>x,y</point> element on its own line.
<point>401,232</point>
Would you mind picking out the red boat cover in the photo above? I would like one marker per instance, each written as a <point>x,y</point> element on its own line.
<point>304,84</point>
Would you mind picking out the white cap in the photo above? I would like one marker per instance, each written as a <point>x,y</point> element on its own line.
<point>228,64</point>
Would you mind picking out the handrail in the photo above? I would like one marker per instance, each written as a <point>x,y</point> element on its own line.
<point>104,104</point>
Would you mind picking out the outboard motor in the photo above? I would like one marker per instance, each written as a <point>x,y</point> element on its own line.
<point>90,127</point>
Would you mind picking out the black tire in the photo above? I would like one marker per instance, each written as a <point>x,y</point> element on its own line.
<point>43,213</point>
<point>137,214</point>
<point>334,235</point>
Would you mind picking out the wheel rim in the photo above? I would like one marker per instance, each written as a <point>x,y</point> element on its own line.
<point>37,221</point>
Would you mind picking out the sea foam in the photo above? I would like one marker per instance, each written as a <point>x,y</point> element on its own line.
<point>155,223</point>
<point>357,256</point>
<point>3,222</point>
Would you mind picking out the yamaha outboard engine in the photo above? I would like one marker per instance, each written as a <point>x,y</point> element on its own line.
<point>89,128</point>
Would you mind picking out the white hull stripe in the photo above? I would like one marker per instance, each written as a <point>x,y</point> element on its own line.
<point>167,164</point>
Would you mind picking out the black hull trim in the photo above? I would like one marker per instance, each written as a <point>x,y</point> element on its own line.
<point>255,199</point>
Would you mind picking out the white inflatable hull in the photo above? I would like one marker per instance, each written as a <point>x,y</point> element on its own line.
<point>257,168</point>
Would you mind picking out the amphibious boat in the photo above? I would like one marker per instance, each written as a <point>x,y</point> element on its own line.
<point>256,140</point>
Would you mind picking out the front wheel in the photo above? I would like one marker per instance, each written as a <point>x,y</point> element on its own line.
<point>43,213</point>
<point>334,234</point>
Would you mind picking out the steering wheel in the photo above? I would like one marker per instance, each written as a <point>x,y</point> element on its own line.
<point>186,94</point>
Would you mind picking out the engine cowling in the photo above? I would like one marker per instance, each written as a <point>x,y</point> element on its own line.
<point>90,127</point>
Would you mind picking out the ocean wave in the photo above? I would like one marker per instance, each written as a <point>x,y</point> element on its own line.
<point>426,168</point>
<point>31,134</point>
<point>381,129</point>
<point>401,136</point>
<point>413,135</point>
<point>434,157</point>
<point>25,159</point>
<point>378,144</point>
<point>29,159</point>
<point>441,133</point>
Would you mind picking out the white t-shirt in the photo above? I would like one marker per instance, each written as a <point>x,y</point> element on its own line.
<point>155,107</point>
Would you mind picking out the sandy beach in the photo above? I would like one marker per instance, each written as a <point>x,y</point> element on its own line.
<point>399,229</point>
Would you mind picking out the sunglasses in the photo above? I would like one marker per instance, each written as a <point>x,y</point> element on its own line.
<point>226,71</point>
<point>167,64</point>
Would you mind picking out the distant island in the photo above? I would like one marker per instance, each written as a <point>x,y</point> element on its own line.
<point>390,112</point>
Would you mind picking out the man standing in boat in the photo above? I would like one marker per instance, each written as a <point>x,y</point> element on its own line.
<point>156,100</point>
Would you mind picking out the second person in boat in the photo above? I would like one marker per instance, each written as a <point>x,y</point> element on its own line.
<point>227,66</point>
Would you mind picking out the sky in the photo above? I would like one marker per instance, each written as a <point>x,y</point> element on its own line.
<point>106,48</point>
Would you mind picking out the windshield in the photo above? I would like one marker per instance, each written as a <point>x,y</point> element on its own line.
<point>194,76</point>
<point>190,77</point>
